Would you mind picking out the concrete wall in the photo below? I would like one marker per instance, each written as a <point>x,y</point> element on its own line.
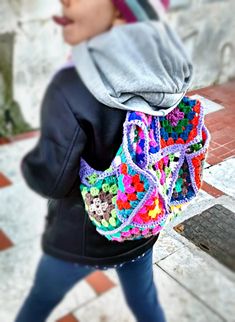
<point>207,27</point>
<point>38,51</point>
<point>11,119</point>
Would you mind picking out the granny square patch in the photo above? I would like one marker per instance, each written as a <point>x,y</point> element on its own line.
<point>157,170</point>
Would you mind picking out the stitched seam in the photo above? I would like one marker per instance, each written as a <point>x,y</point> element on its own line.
<point>60,90</point>
<point>54,142</point>
<point>67,156</point>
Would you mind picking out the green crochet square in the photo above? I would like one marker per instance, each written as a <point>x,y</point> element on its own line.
<point>184,122</point>
<point>92,179</point>
<point>169,129</point>
<point>179,129</point>
<point>165,123</point>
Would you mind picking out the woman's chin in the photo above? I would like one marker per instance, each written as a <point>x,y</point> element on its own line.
<point>70,38</point>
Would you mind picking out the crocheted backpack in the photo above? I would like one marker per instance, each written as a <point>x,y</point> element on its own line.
<point>156,171</point>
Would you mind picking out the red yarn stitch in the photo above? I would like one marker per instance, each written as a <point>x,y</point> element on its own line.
<point>136,179</point>
<point>197,107</point>
<point>163,143</point>
<point>170,141</point>
<point>123,168</point>
<point>139,187</point>
<point>132,196</point>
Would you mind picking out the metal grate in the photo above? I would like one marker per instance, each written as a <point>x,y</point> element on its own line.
<point>214,232</point>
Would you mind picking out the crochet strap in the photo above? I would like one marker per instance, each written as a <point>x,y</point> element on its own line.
<point>136,139</point>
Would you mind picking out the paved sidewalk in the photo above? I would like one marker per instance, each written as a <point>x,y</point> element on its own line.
<point>192,285</point>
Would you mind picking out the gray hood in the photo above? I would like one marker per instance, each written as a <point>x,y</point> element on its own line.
<point>141,66</point>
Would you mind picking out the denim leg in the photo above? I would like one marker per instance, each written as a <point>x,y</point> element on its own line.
<point>139,289</point>
<point>53,279</point>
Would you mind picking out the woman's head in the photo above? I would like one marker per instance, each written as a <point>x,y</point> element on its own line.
<point>84,19</point>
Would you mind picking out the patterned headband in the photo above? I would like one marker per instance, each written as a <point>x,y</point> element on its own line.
<point>141,10</point>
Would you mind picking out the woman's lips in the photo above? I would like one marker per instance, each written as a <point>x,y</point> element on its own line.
<point>62,21</point>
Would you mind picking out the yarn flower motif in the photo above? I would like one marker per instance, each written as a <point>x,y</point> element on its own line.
<point>92,179</point>
<point>175,116</point>
<point>98,206</point>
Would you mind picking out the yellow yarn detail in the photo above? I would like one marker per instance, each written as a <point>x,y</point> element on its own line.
<point>156,211</point>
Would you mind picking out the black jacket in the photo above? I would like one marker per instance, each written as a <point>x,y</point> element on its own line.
<point>75,124</point>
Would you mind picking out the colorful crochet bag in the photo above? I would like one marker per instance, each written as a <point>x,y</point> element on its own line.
<point>156,171</point>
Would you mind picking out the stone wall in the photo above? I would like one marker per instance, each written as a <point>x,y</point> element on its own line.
<point>37,52</point>
<point>11,120</point>
<point>207,27</point>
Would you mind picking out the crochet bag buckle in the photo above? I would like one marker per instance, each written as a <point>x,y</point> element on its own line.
<point>156,171</point>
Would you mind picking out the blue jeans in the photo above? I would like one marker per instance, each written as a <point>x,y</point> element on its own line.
<point>55,277</point>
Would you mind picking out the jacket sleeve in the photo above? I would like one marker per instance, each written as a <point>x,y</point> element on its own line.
<point>51,168</point>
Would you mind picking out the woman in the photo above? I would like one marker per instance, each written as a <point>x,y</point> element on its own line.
<point>75,124</point>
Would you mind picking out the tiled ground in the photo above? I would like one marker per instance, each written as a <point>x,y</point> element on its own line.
<point>192,286</point>
<point>221,123</point>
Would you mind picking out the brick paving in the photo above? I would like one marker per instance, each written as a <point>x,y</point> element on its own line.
<point>221,123</point>
<point>4,181</point>
<point>68,318</point>
<point>100,282</point>
<point>5,242</point>
<point>212,190</point>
